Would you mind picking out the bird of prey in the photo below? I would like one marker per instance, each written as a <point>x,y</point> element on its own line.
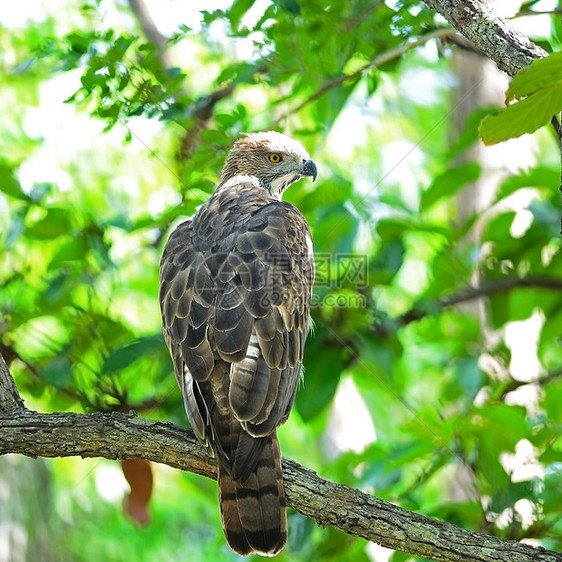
<point>235,290</point>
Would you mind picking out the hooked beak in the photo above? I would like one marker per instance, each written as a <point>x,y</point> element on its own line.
<point>309,169</point>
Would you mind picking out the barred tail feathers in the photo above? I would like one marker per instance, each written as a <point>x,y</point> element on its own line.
<point>253,511</point>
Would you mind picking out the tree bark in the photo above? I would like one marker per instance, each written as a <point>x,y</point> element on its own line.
<point>120,436</point>
<point>476,20</point>
<point>10,400</point>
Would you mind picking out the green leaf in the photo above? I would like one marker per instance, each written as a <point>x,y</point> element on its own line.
<point>124,356</point>
<point>450,182</point>
<point>329,105</point>
<point>301,530</point>
<point>539,91</point>
<point>469,134</point>
<point>542,73</point>
<point>73,249</point>
<point>291,6</point>
<point>10,185</point>
<point>321,377</point>
<point>378,358</point>
<point>389,259</point>
<point>393,229</point>
<point>118,49</point>
<point>507,425</point>
<point>552,398</point>
<point>79,42</point>
<point>372,81</point>
<point>550,455</point>
<point>546,216</point>
<point>237,11</point>
<point>540,176</point>
<point>469,376</point>
<point>59,371</point>
<point>337,227</point>
<point>55,223</point>
<point>498,228</point>
<point>525,116</point>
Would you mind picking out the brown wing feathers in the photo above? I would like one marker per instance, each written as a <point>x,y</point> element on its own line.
<point>235,293</point>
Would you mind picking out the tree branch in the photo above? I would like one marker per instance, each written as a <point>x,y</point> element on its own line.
<point>501,286</point>
<point>514,384</point>
<point>119,436</point>
<point>149,28</point>
<point>509,49</point>
<point>527,13</point>
<point>378,60</point>
<point>10,400</point>
<point>151,32</point>
<point>203,108</point>
<point>485,290</point>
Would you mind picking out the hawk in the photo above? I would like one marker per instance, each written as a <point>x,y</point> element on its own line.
<point>235,290</point>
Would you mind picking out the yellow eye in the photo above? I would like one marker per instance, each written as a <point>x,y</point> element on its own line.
<point>275,158</point>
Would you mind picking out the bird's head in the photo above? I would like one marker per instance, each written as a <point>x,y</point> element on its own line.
<point>275,159</point>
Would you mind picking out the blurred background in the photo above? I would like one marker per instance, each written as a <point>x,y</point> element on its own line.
<point>434,374</point>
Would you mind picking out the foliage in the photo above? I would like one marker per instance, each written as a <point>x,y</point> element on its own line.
<point>106,146</point>
<point>538,90</point>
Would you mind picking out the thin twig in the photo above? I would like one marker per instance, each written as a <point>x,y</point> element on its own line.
<point>526,13</point>
<point>151,32</point>
<point>378,60</point>
<point>542,381</point>
<point>472,293</point>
